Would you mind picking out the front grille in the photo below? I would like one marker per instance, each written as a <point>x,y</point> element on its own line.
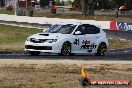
<point>37,40</point>
<point>38,47</point>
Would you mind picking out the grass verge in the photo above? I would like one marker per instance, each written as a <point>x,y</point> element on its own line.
<point>117,44</point>
<point>12,38</point>
<point>7,12</point>
<point>60,75</point>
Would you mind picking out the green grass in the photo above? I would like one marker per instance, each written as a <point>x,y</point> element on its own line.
<point>7,12</point>
<point>12,38</point>
<point>14,34</point>
<point>116,44</point>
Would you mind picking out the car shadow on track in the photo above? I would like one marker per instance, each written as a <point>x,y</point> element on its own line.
<point>109,56</point>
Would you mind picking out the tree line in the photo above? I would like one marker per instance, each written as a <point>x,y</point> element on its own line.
<point>100,4</point>
<point>88,6</point>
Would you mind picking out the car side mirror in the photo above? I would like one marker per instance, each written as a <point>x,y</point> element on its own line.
<point>77,32</point>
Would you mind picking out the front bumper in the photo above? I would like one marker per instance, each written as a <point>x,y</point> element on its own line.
<point>43,47</point>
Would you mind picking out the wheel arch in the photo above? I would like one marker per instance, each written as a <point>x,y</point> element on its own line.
<point>102,42</point>
<point>66,42</point>
<point>105,44</point>
<point>100,52</point>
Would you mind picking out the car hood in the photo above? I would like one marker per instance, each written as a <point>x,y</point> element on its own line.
<point>47,36</point>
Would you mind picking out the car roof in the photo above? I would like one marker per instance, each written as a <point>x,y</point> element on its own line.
<point>75,23</point>
<point>64,23</point>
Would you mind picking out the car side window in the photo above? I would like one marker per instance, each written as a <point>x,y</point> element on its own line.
<point>81,29</point>
<point>91,29</point>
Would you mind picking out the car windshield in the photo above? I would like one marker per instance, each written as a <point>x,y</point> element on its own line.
<point>63,29</point>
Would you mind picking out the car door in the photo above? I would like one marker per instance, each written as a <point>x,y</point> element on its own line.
<point>92,34</point>
<point>78,39</point>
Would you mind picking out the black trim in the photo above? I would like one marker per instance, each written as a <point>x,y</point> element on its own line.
<point>38,47</point>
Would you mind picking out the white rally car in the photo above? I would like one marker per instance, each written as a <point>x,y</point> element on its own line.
<point>67,39</point>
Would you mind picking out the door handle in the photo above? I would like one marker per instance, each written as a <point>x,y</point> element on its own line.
<point>97,37</point>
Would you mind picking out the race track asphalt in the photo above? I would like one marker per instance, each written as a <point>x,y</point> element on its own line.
<point>113,55</point>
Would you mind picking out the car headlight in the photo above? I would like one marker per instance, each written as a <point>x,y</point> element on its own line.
<point>51,40</point>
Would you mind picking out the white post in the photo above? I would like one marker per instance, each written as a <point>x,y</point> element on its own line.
<point>16,7</point>
<point>5,3</point>
<point>26,4</point>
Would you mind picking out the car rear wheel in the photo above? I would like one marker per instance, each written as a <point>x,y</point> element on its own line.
<point>66,49</point>
<point>34,53</point>
<point>101,49</point>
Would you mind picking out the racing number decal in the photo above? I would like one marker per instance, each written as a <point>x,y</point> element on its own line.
<point>76,42</point>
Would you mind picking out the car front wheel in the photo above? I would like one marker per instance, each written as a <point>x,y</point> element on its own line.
<point>66,49</point>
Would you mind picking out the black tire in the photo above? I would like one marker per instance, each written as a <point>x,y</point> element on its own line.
<point>34,53</point>
<point>66,49</point>
<point>101,49</point>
